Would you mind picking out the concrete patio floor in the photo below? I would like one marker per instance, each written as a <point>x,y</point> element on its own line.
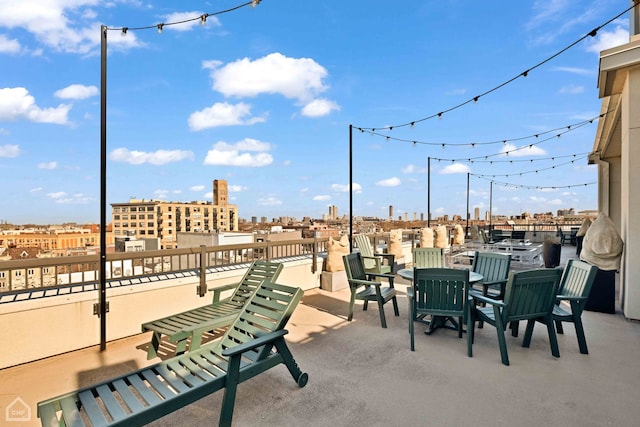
<point>363,375</point>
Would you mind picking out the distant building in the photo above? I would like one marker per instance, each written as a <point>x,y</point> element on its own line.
<point>159,219</point>
<point>476,214</point>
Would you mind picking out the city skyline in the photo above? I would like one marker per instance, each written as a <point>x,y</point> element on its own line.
<point>239,98</point>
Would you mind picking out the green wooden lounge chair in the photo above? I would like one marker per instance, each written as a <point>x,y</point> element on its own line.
<point>253,344</point>
<point>494,268</point>
<point>529,295</point>
<point>192,324</point>
<point>441,293</point>
<point>372,290</point>
<point>428,257</point>
<point>373,262</point>
<point>575,285</point>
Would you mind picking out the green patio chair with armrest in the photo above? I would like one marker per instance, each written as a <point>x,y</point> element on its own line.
<point>529,295</point>
<point>442,293</point>
<point>364,287</point>
<point>494,268</point>
<point>373,262</point>
<point>428,257</point>
<point>574,289</point>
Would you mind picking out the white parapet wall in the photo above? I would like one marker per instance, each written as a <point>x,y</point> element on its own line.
<point>45,326</point>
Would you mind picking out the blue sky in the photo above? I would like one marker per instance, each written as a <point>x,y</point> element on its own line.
<point>263,97</point>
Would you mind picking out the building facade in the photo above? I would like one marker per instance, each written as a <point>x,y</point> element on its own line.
<point>164,220</point>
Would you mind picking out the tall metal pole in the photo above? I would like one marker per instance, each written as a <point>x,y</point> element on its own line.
<point>428,191</point>
<point>103,188</point>
<point>490,203</point>
<point>350,188</point>
<point>467,230</point>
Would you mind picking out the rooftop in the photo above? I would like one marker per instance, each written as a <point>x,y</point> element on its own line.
<point>363,375</point>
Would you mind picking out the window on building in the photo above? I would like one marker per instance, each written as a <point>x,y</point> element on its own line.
<point>31,271</point>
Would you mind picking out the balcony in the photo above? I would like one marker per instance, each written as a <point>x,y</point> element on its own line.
<point>359,373</point>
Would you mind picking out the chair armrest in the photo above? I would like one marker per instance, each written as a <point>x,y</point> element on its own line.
<point>494,282</point>
<point>487,300</point>
<point>570,298</point>
<point>218,290</point>
<point>255,343</point>
<point>361,282</point>
<point>390,257</point>
<point>383,275</point>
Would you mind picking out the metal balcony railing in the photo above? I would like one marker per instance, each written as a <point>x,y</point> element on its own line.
<point>48,273</point>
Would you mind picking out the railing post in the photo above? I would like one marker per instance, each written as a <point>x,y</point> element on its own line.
<point>314,254</point>
<point>202,286</point>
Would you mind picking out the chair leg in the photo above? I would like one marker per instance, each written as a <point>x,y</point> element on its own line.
<point>502,342</point>
<point>559,328</point>
<point>528,333</point>
<point>553,339</point>
<point>470,332</point>
<point>383,319</point>
<point>395,306</point>
<point>582,341</point>
<point>411,327</point>
<point>459,327</point>
<point>352,302</point>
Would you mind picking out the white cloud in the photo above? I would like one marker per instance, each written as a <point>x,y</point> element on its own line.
<point>35,190</point>
<point>455,168</point>
<point>77,92</point>
<point>159,157</point>
<point>237,188</point>
<point>572,89</point>
<point>322,198</point>
<point>62,197</point>
<point>269,201</point>
<point>16,103</point>
<point>9,150</point>
<point>223,114</point>
<point>389,182</point>
<point>575,70</point>
<point>246,153</point>
<point>608,39</point>
<point>48,165</point>
<point>319,108</point>
<point>196,188</point>
<point>342,188</point>
<point>555,202</point>
<point>53,23</point>
<point>300,79</point>
<point>522,151</point>
<point>9,45</point>
<point>188,16</point>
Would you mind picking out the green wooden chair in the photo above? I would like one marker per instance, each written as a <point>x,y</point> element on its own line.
<point>253,344</point>
<point>428,258</point>
<point>373,262</point>
<point>494,268</point>
<point>364,287</point>
<point>189,326</point>
<point>529,295</point>
<point>442,293</point>
<point>575,286</point>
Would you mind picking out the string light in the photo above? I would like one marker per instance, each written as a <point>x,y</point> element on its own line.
<point>202,18</point>
<point>501,141</point>
<point>525,73</point>
<point>532,171</point>
<point>538,187</point>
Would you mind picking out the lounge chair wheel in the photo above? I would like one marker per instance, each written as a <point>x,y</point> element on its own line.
<point>302,379</point>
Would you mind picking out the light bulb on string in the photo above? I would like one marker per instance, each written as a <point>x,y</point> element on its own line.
<point>203,19</point>
<point>160,26</point>
<point>124,31</point>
